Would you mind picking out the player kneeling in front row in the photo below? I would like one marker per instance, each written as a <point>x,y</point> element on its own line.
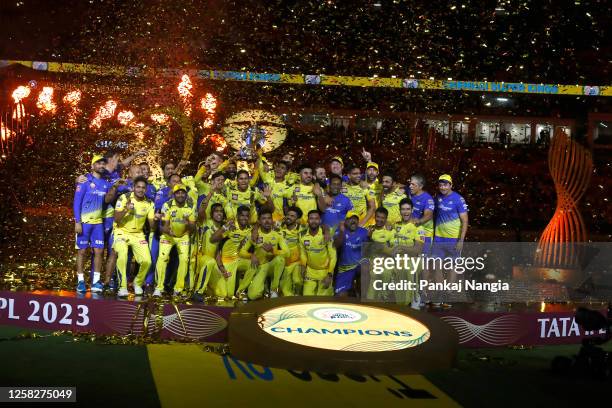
<point>178,221</point>
<point>229,261</point>
<point>131,212</point>
<point>317,257</point>
<point>267,260</point>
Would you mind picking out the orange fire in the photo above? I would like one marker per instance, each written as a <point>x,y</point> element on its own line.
<point>106,111</point>
<point>209,103</point>
<point>125,117</point>
<point>160,118</point>
<point>208,122</point>
<point>184,90</point>
<point>45,101</point>
<point>21,92</point>
<point>5,132</point>
<point>217,141</point>
<point>72,99</point>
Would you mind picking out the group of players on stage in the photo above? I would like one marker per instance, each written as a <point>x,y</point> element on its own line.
<point>268,231</point>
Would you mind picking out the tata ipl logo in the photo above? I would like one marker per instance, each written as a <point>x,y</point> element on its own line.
<point>337,315</point>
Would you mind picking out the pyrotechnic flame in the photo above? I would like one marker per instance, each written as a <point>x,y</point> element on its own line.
<point>45,101</point>
<point>160,118</point>
<point>209,103</point>
<point>72,99</point>
<point>184,90</point>
<point>217,141</point>
<point>5,132</point>
<point>106,111</point>
<point>125,117</point>
<point>21,92</point>
<point>208,122</point>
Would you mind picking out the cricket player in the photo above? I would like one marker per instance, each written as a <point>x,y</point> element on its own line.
<point>317,258</point>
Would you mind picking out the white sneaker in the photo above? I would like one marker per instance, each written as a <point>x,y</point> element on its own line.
<point>273,294</point>
<point>157,293</point>
<point>137,289</point>
<point>123,292</point>
<point>415,305</point>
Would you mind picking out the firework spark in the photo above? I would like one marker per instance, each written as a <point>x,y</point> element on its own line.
<point>72,99</point>
<point>209,103</point>
<point>184,90</point>
<point>125,117</point>
<point>106,111</point>
<point>160,118</point>
<point>45,101</point>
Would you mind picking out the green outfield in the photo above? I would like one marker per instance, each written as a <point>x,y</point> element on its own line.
<point>176,374</point>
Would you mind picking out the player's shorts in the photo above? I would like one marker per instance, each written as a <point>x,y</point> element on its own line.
<point>444,248</point>
<point>344,280</point>
<point>427,246</point>
<point>108,225</point>
<point>92,236</point>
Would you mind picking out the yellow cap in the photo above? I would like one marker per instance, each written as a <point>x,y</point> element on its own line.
<point>350,214</point>
<point>178,187</point>
<point>338,159</point>
<point>372,164</point>
<point>97,158</point>
<point>446,177</point>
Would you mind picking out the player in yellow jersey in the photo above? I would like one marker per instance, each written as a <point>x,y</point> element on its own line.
<point>279,186</point>
<point>131,212</point>
<point>291,281</point>
<point>381,241</point>
<point>363,200</point>
<point>302,195</point>
<point>245,195</point>
<point>216,194</point>
<point>391,197</point>
<point>207,262</point>
<point>409,239</point>
<point>268,258</point>
<point>234,235</point>
<point>178,222</point>
<point>317,258</point>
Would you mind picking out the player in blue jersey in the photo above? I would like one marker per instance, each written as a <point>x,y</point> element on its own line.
<point>349,240</point>
<point>89,204</point>
<point>335,209</point>
<point>451,220</point>
<point>451,224</point>
<point>423,207</point>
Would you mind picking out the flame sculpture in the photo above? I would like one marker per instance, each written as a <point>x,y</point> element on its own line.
<point>571,166</point>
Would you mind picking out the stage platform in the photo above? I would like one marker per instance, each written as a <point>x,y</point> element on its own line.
<point>477,324</point>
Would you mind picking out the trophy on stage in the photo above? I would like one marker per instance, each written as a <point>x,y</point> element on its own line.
<point>253,138</point>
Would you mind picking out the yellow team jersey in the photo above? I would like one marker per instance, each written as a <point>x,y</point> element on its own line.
<point>210,249</point>
<point>158,183</point>
<point>391,203</point>
<point>249,197</point>
<point>383,236</point>
<point>292,237</point>
<point>280,191</point>
<point>359,196</point>
<point>315,252</point>
<point>274,238</point>
<point>292,177</point>
<point>109,211</point>
<point>134,220</point>
<point>377,188</point>
<point>235,240</point>
<point>305,199</point>
<point>179,217</point>
<point>216,198</point>
<point>407,234</point>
